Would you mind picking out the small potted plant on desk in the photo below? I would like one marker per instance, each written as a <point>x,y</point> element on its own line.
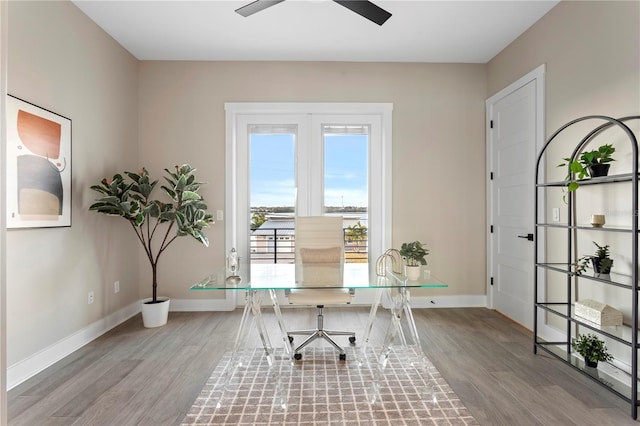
<point>151,220</point>
<point>602,262</point>
<point>591,348</point>
<point>590,164</point>
<point>413,255</point>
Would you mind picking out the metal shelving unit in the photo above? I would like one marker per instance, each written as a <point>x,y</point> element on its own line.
<point>621,383</point>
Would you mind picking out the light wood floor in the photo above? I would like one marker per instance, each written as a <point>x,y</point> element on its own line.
<point>138,376</point>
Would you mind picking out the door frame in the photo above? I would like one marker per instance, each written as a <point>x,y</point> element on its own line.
<point>537,75</point>
<point>380,160</point>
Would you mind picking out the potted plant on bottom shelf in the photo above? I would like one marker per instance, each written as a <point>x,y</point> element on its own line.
<point>413,255</point>
<point>602,262</point>
<point>157,224</point>
<point>591,348</point>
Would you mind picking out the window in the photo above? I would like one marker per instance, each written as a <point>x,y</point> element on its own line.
<point>307,159</point>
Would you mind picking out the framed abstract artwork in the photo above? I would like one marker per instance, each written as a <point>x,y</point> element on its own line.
<point>38,166</point>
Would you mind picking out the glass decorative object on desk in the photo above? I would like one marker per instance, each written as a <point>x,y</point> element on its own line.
<point>233,266</point>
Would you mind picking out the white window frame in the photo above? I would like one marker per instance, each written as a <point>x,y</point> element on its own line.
<point>308,116</point>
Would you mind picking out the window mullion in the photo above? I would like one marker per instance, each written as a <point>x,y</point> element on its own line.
<point>316,169</point>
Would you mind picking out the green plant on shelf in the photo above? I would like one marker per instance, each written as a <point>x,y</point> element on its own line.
<point>591,348</point>
<point>601,262</point>
<point>581,168</point>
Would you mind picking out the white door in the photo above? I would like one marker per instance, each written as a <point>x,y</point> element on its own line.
<point>515,132</point>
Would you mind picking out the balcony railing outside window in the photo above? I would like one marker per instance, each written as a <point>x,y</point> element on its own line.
<point>278,245</point>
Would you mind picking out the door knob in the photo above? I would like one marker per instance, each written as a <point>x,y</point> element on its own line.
<point>529,237</point>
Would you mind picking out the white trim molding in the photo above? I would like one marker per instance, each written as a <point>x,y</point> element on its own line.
<point>204,305</point>
<point>29,367</point>
<point>536,75</point>
<point>460,301</point>
<point>307,118</point>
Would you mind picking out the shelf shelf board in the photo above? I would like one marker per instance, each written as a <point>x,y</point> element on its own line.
<point>625,177</point>
<point>552,225</point>
<point>618,381</point>
<point>620,333</point>
<point>618,280</point>
<point>587,227</point>
<point>605,228</point>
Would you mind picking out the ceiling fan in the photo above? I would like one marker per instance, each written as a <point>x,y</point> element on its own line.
<point>361,7</point>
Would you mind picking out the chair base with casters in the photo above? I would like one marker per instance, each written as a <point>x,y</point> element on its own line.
<point>321,333</point>
<point>328,296</point>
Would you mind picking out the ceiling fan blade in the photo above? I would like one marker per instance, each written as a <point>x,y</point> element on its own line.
<point>256,6</point>
<point>367,9</point>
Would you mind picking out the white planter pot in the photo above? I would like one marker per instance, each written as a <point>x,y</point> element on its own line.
<point>155,314</point>
<point>412,272</point>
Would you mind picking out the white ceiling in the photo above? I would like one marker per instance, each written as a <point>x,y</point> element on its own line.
<point>315,30</point>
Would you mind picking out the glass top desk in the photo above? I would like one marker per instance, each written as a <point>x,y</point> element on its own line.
<point>257,279</point>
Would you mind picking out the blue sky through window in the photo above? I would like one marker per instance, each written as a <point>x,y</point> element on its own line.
<point>272,163</point>
<point>345,173</point>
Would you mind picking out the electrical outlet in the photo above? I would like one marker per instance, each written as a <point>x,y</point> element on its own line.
<point>219,215</point>
<point>90,298</point>
<point>116,287</point>
<point>555,214</point>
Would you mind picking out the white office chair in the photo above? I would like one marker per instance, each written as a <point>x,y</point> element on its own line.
<point>319,248</point>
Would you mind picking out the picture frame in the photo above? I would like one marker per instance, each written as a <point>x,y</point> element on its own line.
<point>38,184</point>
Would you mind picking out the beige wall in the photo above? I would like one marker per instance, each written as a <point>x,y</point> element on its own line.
<point>438,148</point>
<point>60,60</point>
<point>591,50</point>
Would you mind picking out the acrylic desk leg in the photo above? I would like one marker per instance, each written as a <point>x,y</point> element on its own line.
<point>283,329</point>
<point>419,359</point>
<point>262,331</point>
<point>241,337</point>
<point>251,315</point>
<point>383,357</point>
<point>400,305</point>
<point>280,394</point>
<point>280,397</point>
<point>366,337</point>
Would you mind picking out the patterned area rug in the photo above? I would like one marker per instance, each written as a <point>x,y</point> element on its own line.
<point>321,390</point>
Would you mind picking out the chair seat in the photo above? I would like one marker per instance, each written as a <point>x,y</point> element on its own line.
<point>314,296</point>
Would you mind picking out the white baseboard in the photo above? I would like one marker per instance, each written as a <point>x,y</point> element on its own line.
<point>464,301</point>
<point>548,333</point>
<point>201,305</point>
<point>29,367</point>
<point>461,301</point>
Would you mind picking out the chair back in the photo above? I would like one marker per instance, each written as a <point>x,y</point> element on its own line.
<point>319,248</point>
<point>319,232</point>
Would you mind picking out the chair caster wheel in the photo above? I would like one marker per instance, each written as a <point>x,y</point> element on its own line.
<point>352,340</point>
<point>297,357</point>
<point>290,339</point>
<point>343,357</point>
